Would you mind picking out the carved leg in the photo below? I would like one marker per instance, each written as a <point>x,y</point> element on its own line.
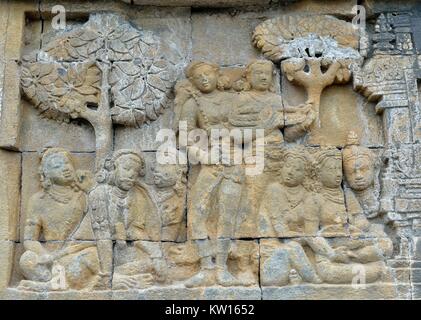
<point>206,276</point>
<point>229,198</point>
<point>202,193</point>
<point>159,264</point>
<point>81,268</point>
<point>105,254</point>
<point>337,273</point>
<point>275,270</point>
<point>223,276</point>
<point>301,263</point>
<point>32,269</point>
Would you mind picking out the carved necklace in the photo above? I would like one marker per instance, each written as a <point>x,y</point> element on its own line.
<point>120,197</point>
<point>61,197</point>
<point>294,196</point>
<point>334,195</point>
<point>119,204</point>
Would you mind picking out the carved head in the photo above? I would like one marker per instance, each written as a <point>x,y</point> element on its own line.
<point>296,164</point>
<point>57,168</point>
<point>359,164</point>
<point>203,75</point>
<point>165,175</point>
<point>259,74</point>
<point>329,167</point>
<point>124,168</point>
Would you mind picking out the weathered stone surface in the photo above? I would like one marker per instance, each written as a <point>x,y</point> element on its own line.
<point>209,41</point>
<point>37,133</point>
<point>6,255</point>
<point>331,292</point>
<point>275,176</point>
<point>10,121</point>
<point>10,168</point>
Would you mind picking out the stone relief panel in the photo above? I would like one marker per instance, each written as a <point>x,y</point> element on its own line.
<point>268,197</point>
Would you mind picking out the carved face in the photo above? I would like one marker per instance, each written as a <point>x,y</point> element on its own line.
<point>260,76</point>
<point>59,169</point>
<point>205,78</point>
<point>330,173</point>
<point>127,171</point>
<point>293,171</point>
<point>165,176</point>
<point>359,172</point>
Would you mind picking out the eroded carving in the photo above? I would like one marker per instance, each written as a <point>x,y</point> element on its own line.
<point>53,215</point>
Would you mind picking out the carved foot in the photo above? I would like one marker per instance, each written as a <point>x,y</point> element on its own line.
<point>28,285</point>
<point>124,282</point>
<point>246,278</point>
<point>204,278</point>
<point>226,279</point>
<point>103,282</point>
<point>161,270</point>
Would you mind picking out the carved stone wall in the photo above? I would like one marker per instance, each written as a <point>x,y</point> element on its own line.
<point>210,150</point>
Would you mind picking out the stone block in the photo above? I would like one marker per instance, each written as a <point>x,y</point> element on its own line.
<point>6,256</point>
<point>37,133</point>
<point>10,182</point>
<point>331,292</point>
<point>10,121</point>
<point>210,43</point>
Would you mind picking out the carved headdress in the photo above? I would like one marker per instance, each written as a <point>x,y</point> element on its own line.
<point>328,152</point>
<point>106,174</point>
<point>353,149</point>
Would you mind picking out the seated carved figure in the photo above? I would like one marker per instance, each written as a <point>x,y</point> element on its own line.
<point>359,168</point>
<point>288,205</point>
<point>338,260</point>
<point>53,215</point>
<point>333,216</point>
<point>287,264</point>
<point>121,209</point>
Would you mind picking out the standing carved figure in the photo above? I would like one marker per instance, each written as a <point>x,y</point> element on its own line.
<point>54,214</point>
<point>217,186</point>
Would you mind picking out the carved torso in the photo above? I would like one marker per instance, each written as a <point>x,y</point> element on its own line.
<point>52,219</point>
<point>135,210</point>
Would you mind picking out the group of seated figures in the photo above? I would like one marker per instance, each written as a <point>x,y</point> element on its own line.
<point>115,233</point>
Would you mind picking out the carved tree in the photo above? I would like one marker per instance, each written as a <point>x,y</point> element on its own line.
<point>308,74</point>
<point>314,51</point>
<point>105,72</point>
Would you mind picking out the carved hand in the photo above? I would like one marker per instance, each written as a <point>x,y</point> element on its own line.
<point>169,215</point>
<point>160,267</point>
<point>340,255</point>
<point>46,259</point>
